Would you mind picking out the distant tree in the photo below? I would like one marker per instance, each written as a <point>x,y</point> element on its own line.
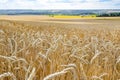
<point>109,15</point>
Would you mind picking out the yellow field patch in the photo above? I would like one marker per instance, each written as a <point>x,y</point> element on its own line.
<point>66,16</point>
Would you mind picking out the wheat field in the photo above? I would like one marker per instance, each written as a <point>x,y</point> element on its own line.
<point>56,51</point>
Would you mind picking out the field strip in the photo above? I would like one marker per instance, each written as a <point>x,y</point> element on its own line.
<point>67,22</point>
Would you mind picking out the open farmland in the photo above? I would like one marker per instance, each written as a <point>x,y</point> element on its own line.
<point>44,48</point>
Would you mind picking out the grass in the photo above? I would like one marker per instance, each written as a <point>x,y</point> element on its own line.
<point>39,52</point>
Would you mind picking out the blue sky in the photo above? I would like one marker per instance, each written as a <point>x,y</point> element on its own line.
<point>59,4</point>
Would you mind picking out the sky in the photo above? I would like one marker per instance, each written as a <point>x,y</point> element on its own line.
<point>59,4</point>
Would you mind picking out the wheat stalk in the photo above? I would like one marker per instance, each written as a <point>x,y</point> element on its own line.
<point>99,77</point>
<point>118,60</point>
<point>83,72</point>
<point>95,55</point>
<point>14,59</point>
<point>1,31</point>
<point>8,74</point>
<point>32,74</point>
<point>73,68</point>
<point>58,73</point>
<point>11,45</point>
<point>54,75</point>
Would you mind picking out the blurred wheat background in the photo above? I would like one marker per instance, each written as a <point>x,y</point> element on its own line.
<point>51,52</point>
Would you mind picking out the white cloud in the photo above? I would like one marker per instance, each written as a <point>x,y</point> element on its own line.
<point>59,4</point>
<point>3,1</point>
<point>92,0</point>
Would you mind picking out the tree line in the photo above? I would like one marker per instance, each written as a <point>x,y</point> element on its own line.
<point>109,15</point>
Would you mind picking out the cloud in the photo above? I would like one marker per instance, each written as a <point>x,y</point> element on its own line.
<point>3,1</point>
<point>59,4</point>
